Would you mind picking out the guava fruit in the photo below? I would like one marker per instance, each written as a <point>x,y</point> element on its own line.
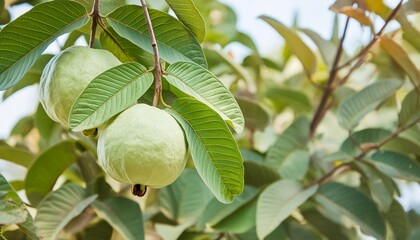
<point>143,145</point>
<point>67,74</point>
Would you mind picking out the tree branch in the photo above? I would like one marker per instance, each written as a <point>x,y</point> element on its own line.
<point>320,111</point>
<point>335,172</point>
<point>95,18</point>
<point>158,67</point>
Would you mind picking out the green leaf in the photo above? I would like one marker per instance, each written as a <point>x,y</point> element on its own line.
<point>258,175</point>
<point>256,116</point>
<point>169,232</point>
<point>46,169</point>
<point>327,49</point>
<point>410,109</point>
<point>401,58</point>
<point>185,199</point>
<point>23,40</point>
<point>283,97</point>
<point>108,94</point>
<point>295,137</point>
<point>189,15</point>
<point>352,203</point>
<point>16,155</point>
<point>105,6</point>
<point>277,202</point>
<point>354,108</point>
<point>364,137</point>
<point>59,208</point>
<point>295,165</point>
<point>398,220</point>
<point>123,49</point>
<point>201,84</point>
<point>214,150</point>
<point>176,43</point>
<point>23,127</point>
<point>100,231</point>
<point>296,45</point>
<point>9,194</point>
<point>396,165</point>
<point>31,77</point>
<point>123,214</point>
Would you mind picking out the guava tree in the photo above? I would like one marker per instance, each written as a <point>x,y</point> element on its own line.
<point>153,131</point>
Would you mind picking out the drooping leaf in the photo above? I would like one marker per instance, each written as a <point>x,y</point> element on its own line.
<point>327,49</point>
<point>410,109</point>
<point>354,204</point>
<point>214,151</point>
<point>123,214</point>
<point>16,155</point>
<point>401,58</point>
<point>176,43</point>
<point>368,136</point>
<point>169,232</point>
<point>284,97</point>
<point>277,202</point>
<point>108,94</point>
<point>184,199</point>
<point>59,208</point>
<point>46,127</point>
<point>257,174</point>
<point>402,145</point>
<point>32,76</point>
<point>46,169</point>
<point>354,108</point>
<point>396,165</point>
<point>123,49</point>
<point>356,13</point>
<point>201,84</point>
<point>398,220</point>
<point>256,116</point>
<point>296,45</point>
<point>295,165</point>
<point>25,39</point>
<point>295,137</point>
<point>189,15</point>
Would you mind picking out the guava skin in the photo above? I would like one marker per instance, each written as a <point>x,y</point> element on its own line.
<point>67,74</point>
<point>143,145</point>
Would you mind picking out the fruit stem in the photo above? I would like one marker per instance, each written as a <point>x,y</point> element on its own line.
<point>95,17</point>
<point>158,67</point>
<point>139,190</point>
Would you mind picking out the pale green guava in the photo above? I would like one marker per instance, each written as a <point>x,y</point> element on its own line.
<point>143,145</point>
<point>67,74</point>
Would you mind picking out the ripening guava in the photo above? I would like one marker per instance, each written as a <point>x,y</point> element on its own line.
<point>67,74</point>
<point>143,145</point>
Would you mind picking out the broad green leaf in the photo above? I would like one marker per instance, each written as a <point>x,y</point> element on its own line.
<point>25,39</point>
<point>297,231</point>
<point>327,49</point>
<point>105,6</point>
<point>46,169</point>
<point>184,199</point>
<point>277,202</point>
<point>353,204</point>
<point>296,45</point>
<point>16,155</point>
<point>401,58</point>
<point>295,137</point>
<point>351,145</point>
<point>216,211</point>
<point>284,97</point>
<point>354,108</point>
<point>295,165</point>
<point>169,232</point>
<point>46,127</point>
<point>176,43</point>
<point>258,175</point>
<point>32,76</point>
<point>398,220</point>
<point>201,84</point>
<point>356,13</point>
<point>123,49</point>
<point>23,127</point>
<point>189,15</point>
<point>396,165</point>
<point>59,208</point>
<point>402,145</point>
<point>380,185</point>
<point>108,94</point>
<point>123,214</point>
<point>7,193</point>
<point>256,116</point>
<point>214,150</point>
<point>410,109</point>
<point>100,231</point>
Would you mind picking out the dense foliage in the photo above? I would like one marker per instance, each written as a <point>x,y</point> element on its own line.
<point>314,142</point>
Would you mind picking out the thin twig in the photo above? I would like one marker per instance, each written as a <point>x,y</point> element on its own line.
<point>375,38</point>
<point>158,67</point>
<point>320,111</point>
<point>334,173</point>
<point>95,16</point>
